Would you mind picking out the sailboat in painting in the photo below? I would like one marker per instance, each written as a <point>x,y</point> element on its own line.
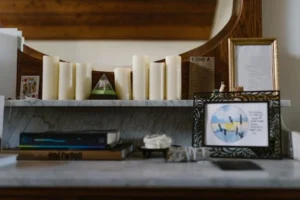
<point>229,124</point>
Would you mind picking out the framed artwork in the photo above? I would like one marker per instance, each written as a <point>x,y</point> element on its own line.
<point>238,124</point>
<point>253,64</point>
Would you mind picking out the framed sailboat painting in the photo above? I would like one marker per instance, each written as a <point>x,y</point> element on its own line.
<point>238,124</point>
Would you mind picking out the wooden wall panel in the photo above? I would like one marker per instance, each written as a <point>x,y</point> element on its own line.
<point>113,19</point>
<point>28,66</point>
<point>153,193</point>
<point>249,24</point>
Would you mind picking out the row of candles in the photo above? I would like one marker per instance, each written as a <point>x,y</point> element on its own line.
<point>153,81</point>
<point>145,80</point>
<point>66,81</point>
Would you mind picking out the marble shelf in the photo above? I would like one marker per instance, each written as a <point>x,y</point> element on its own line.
<point>107,103</point>
<point>98,103</point>
<point>148,173</point>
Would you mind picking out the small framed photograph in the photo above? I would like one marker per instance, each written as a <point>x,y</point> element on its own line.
<point>29,87</point>
<point>238,124</point>
<point>253,64</point>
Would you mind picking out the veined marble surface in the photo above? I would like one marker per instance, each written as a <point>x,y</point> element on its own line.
<point>134,123</point>
<point>98,103</point>
<point>147,173</point>
<point>108,103</point>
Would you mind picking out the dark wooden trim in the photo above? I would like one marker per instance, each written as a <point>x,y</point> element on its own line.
<point>245,21</point>
<point>113,19</point>
<point>225,32</point>
<point>77,193</point>
<point>32,52</point>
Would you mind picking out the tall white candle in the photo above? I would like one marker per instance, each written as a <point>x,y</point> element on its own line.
<point>81,80</point>
<point>89,69</point>
<point>66,85</point>
<point>173,77</point>
<point>179,79</point>
<point>74,79</point>
<point>50,77</point>
<point>123,83</point>
<point>157,81</point>
<point>140,80</point>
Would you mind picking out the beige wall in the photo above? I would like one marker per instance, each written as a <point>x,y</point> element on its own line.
<point>281,19</point>
<point>106,55</point>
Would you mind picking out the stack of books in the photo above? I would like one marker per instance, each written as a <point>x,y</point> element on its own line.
<point>81,145</point>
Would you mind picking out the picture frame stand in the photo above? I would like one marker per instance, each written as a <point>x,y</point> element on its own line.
<point>243,124</point>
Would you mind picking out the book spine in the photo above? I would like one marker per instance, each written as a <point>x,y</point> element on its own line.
<point>70,155</point>
<point>63,141</point>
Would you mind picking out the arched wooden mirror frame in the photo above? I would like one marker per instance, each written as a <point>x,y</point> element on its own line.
<point>245,21</point>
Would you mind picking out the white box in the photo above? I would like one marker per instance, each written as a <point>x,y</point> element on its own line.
<point>8,61</point>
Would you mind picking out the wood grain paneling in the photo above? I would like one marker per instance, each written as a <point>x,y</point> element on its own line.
<point>105,6</point>
<point>85,193</point>
<point>29,66</point>
<point>109,20</point>
<point>246,21</point>
<point>113,19</point>
<point>250,25</point>
<point>132,32</point>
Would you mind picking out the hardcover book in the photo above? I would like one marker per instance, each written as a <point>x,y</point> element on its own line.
<point>119,152</point>
<point>78,140</point>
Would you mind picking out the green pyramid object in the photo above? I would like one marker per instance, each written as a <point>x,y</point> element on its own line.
<point>103,87</point>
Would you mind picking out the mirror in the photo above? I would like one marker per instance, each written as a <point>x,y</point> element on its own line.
<point>116,30</point>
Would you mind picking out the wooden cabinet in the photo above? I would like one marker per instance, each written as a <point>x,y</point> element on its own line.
<point>145,194</point>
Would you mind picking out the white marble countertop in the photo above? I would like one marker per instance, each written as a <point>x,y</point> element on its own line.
<point>107,103</point>
<point>98,103</point>
<point>147,173</point>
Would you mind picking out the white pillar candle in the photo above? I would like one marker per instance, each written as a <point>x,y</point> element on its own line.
<point>89,69</point>
<point>74,79</point>
<point>173,77</point>
<point>157,81</point>
<point>50,77</point>
<point>123,83</point>
<point>140,84</point>
<point>81,80</point>
<point>179,78</point>
<point>65,83</point>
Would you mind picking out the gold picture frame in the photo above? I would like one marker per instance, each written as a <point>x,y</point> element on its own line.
<point>253,64</point>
